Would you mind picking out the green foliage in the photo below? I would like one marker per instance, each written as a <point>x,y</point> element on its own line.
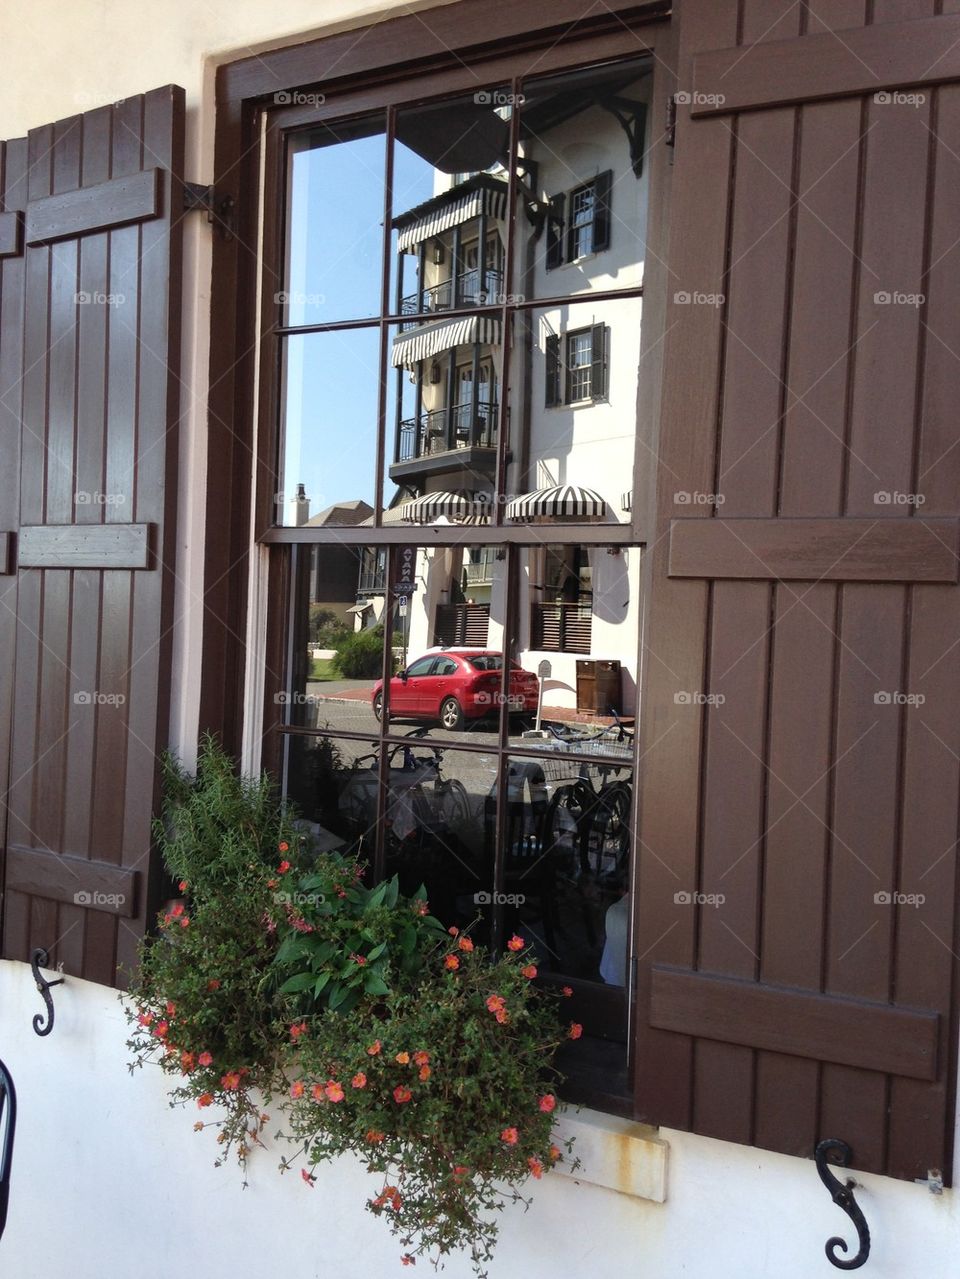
<point>360,656</point>
<point>279,974</point>
<point>324,628</point>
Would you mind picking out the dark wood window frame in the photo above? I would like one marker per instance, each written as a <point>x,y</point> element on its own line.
<point>372,73</point>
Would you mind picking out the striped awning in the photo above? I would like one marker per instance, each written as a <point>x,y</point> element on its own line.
<point>455,505</point>
<point>564,501</point>
<point>491,201</point>
<point>442,335</point>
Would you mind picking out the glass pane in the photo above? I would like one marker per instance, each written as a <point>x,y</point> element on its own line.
<point>329,443</point>
<point>578,628</point>
<point>584,185</point>
<point>449,634</point>
<point>335,224</point>
<point>337,650</point>
<point>574,381</point>
<point>567,859</point>
<point>333,782</point>
<point>443,408</point>
<point>449,203</point>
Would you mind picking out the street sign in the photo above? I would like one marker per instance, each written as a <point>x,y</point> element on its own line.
<point>406,579</point>
<point>544,670</point>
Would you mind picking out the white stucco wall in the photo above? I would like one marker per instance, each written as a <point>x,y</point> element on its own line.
<point>107,1180</point>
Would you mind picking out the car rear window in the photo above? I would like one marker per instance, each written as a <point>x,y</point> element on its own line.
<point>486,661</point>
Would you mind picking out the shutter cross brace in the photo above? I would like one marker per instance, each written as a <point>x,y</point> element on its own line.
<point>219,210</point>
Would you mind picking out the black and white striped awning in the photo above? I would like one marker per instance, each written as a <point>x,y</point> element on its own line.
<point>442,335</point>
<point>456,505</point>
<point>491,201</point>
<point>564,501</point>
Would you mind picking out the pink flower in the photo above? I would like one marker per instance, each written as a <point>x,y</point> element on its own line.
<point>374,1048</point>
<point>230,1081</point>
<point>535,1166</point>
<point>145,1019</point>
<point>529,971</point>
<point>509,1136</point>
<point>297,1029</point>
<point>359,1080</point>
<point>205,1059</point>
<point>452,962</point>
<point>296,1090</point>
<point>401,1094</point>
<point>547,1103</point>
<point>333,1090</point>
<point>567,991</point>
<point>205,1100</point>
<point>495,1003</point>
<point>308,1177</point>
<point>515,943</point>
<point>465,943</point>
<point>575,1031</point>
<point>283,868</point>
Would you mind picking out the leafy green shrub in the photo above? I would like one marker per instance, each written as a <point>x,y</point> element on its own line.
<point>324,628</point>
<point>360,656</point>
<point>279,974</point>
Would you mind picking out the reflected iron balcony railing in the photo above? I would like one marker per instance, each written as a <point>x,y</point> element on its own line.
<point>432,433</point>
<point>481,572</point>
<point>373,581</point>
<point>440,297</point>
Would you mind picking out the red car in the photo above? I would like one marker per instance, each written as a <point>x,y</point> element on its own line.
<point>456,684</point>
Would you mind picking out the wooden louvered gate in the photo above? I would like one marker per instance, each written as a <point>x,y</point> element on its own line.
<point>462,624</point>
<point>802,696</point>
<point>89,352</point>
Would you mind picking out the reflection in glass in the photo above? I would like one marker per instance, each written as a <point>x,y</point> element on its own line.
<point>584,182</point>
<point>335,223</point>
<point>329,449</point>
<point>567,864</point>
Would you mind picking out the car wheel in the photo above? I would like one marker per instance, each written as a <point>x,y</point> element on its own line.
<point>378,706</point>
<point>451,714</point>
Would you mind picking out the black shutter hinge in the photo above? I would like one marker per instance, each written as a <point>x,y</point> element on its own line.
<point>670,133</point>
<point>219,209</point>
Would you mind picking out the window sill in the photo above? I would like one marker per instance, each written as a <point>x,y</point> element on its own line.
<point>617,1154</point>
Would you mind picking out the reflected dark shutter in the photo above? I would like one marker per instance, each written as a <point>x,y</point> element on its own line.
<point>603,187</point>
<point>797,847</point>
<point>555,221</point>
<point>598,357</point>
<point>89,352</point>
<point>553,396</point>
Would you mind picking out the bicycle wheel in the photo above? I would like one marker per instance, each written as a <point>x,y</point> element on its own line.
<point>564,823</point>
<point>607,838</point>
<point>451,802</point>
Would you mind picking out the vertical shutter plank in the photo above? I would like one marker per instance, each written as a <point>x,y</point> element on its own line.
<point>598,357</point>
<point>553,371</point>
<point>603,212</point>
<point>555,231</point>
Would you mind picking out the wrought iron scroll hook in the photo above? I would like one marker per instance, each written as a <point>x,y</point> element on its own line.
<point>40,959</point>
<point>842,1195</point>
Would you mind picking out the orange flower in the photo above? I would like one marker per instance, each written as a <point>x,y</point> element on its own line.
<point>297,1029</point>
<point>177,909</point>
<point>213,983</point>
<point>495,1003</point>
<point>451,962</point>
<point>185,922</point>
<point>374,1048</point>
<point>160,1029</point>
<point>171,1008</point>
<point>333,1090</point>
<point>283,868</point>
<point>509,1136</point>
<point>547,1103</point>
<point>402,1058</point>
<point>453,930</point>
<point>205,1059</point>
<point>316,1092</point>
<point>503,1017</point>
<point>283,846</point>
<point>529,971</point>
<point>535,1166</point>
<point>373,1136</point>
<point>460,1171</point>
<point>187,1061</point>
<point>359,1080</point>
<point>575,1031</point>
<point>183,886</point>
<point>465,944</point>
<point>401,1094</point>
<point>568,991</point>
<point>205,1100</point>
<point>515,943</point>
<point>296,1090</point>
<point>555,1153</point>
<point>145,1019</point>
<point>421,1058</point>
<point>230,1081</point>
<point>424,1073</point>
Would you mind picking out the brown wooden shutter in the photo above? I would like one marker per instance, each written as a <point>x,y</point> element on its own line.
<point>89,354</point>
<point>598,359</point>
<point>802,695</point>
<point>603,187</point>
<point>553,391</point>
<point>555,224</point>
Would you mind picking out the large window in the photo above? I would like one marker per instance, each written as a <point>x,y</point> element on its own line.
<point>450,549</point>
